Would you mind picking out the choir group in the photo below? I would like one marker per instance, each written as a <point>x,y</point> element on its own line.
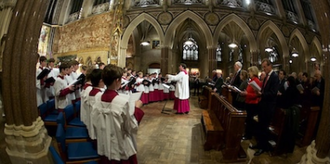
<point>110,98</point>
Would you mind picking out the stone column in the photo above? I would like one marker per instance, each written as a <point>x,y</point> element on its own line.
<point>122,57</point>
<point>164,60</point>
<point>212,61</point>
<point>254,57</point>
<point>26,137</point>
<point>318,151</point>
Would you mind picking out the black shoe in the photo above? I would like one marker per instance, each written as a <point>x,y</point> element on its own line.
<point>246,138</point>
<point>186,112</point>
<point>254,147</point>
<point>259,152</point>
<point>178,113</point>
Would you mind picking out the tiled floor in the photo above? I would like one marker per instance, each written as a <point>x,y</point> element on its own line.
<point>177,139</point>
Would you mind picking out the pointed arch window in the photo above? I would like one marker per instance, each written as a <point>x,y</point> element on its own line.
<point>272,54</point>
<point>187,2</point>
<point>265,6</point>
<point>308,11</point>
<point>97,2</point>
<point>190,50</point>
<point>219,53</point>
<point>146,3</point>
<point>291,12</point>
<point>76,6</point>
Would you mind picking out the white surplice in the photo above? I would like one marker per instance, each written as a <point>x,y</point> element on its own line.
<point>182,85</point>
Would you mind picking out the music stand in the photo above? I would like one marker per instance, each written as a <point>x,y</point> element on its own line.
<point>163,110</point>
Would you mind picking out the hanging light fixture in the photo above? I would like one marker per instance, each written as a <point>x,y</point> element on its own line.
<point>294,53</point>
<point>190,41</point>
<point>269,49</point>
<point>145,43</point>
<point>145,29</point>
<point>232,45</point>
<point>290,61</point>
<point>313,59</point>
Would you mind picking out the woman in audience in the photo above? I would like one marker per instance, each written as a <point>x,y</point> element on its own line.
<point>244,83</point>
<point>251,102</point>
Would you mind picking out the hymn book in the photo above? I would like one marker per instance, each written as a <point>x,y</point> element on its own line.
<point>300,88</point>
<point>315,89</point>
<point>255,86</point>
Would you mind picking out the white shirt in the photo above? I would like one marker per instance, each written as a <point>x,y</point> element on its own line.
<point>59,85</point>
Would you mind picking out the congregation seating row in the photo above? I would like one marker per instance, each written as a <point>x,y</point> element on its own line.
<point>308,119</point>
<point>224,125</point>
<point>71,134</point>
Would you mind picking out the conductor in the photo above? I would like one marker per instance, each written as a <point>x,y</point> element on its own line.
<point>181,101</point>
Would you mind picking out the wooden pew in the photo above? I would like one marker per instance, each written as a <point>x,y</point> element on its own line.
<point>309,115</point>
<point>278,123</point>
<point>224,127</point>
<point>226,93</point>
<point>203,99</point>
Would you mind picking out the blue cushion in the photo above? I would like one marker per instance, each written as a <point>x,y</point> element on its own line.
<point>77,106</point>
<point>68,110</point>
<point>76,133</point>
<point>56,156</point>
<point>76,122</point>
<point>50,118</point>
<point>51,104</point>
<point>81,150</point>
<point>43,109</point>
<point>60,137</point>
<point>60,119</point>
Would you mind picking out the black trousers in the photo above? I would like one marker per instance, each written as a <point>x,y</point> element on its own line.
<point>265,115</point>
<point>250,124</point>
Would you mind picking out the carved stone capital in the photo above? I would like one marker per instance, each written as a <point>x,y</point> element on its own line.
<point>27,143</point>
<point>311,158</point>
<point>7,4</point>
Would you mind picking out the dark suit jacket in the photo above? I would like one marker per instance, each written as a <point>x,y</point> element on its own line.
<point>269,91</point>
<point>318,100</point>
<point>218,85</point>
<point>237,81</point>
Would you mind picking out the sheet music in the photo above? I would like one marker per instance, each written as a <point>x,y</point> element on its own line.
<point>300,87</point>
<point>255,86</point>
<point>166,86</point>
<point>315,89</point>
<point>236,89</point>
<point>74,82</point>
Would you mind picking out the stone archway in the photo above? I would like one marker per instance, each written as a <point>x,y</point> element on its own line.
<point>245,28</point>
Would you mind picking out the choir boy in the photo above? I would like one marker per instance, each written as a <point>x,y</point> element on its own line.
<point>62,90</point>
<point>41,92</point>
<point>98,88</point>
<point>115,124</point>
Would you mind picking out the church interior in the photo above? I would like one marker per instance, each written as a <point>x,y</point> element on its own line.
<point>156,36</point>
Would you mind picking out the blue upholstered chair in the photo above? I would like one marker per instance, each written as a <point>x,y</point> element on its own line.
<point>73,134</point>
<point>77,152</point>
<point>49,119</point>
<point>71,120</point>
<point>56,157</point>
